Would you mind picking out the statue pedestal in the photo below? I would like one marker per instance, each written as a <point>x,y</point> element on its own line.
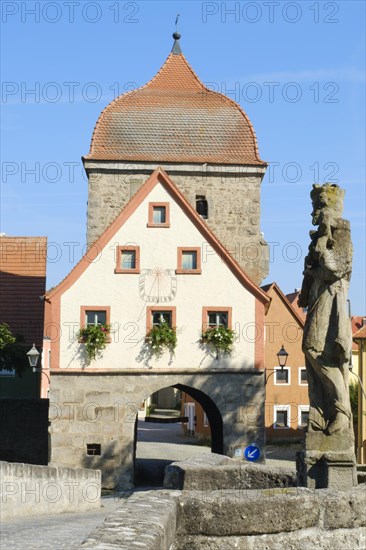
<point>327,462</point>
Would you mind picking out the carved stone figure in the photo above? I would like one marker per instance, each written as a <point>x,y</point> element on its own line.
<point>327,333</point>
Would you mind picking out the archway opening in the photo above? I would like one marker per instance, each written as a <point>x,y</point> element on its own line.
<point>171,428</point>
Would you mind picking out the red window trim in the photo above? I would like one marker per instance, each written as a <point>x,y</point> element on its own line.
<point>180,270</point>
<point>210,309</point>
<point>107,309</point>
<point>150,309</point>
<point>151,214</point>
<point>119,250</point>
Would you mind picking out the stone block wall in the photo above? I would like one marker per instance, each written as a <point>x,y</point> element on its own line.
<point>94,408</point>
<point>28,490</point>
<point>232,193</point>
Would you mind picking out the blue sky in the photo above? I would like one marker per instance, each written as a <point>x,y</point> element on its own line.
<point>296,68</point>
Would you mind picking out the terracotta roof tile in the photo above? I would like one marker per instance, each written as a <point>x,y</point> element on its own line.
<point>175,118</point>
<point>360,333</point>
<point>22,282</point>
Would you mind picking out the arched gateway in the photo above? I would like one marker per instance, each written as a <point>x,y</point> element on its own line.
<point>97,412</point>
<point>158,287</point>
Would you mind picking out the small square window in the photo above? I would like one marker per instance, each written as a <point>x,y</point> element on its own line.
<point>159,317</point>
<point>281,416</point>
<point>128,259</point>
<point>303,376</point>
<point>159,214</point>
<point>282,376</point>
<point>188,261</point>
<point>304,418</point>
<point>216,317</point>
<point>93,449</point>
<point>281,419</point>
<point>156,315</point>
<point>95,317</point>
<point>303,415</point>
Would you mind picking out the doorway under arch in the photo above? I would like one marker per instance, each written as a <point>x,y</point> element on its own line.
<point>161,442</point>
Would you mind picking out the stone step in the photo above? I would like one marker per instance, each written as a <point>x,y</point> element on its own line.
<point>361,467</point>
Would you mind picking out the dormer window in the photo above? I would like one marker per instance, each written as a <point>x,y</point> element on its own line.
<point>159,214</point>
<point>202,206</point>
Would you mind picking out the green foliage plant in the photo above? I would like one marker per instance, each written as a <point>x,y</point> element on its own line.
<point>6,336</point>
<point>95,338</point>
<point>161,338</point>
<point>219,339</point>
<point>353,397</point>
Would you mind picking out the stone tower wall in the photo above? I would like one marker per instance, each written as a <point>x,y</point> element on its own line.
<point>233,198</point>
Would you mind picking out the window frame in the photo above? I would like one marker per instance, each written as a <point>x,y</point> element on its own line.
<point>119,250</point>
<point>281,408</point>
<point>211,309</point>
<point>180,270</point>
<point>151,222</point>
<point>288,370</point>
<point>302,408</point>
<point>151,309</point>
<point>84,309</point>
<point>300,382</point>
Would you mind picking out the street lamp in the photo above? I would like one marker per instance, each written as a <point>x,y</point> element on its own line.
<point>282,357</point>
<point>282,360</point>
<point>33,356</point>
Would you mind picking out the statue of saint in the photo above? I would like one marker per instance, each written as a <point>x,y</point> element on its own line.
<point>327,336</point>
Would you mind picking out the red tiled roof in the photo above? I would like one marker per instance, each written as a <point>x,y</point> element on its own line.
<point>175,118</point>
<point>292,298</point>
<point>357,326</point>
<point>22,282</point>
<point>360,334</point>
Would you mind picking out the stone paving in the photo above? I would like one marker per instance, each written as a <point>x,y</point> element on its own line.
<point>63,532</point>
<point>68,531</point>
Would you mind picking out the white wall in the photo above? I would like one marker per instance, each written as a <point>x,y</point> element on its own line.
<point>99,285</point>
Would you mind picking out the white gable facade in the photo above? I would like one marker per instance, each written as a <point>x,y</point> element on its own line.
<point>157,282</point>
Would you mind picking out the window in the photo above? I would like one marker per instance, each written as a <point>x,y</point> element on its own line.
<point>281,376</point>
<point>202,206</point>
<point>216,317</point>
<point>303,415</point>
<point>281,416</point>
<point>205,420</point>
<point>93,449</point>
<point>128,259</point>
<point>94,315</point>
<point>159,214</point>
<point>303,376</point>
<point>189,261</point>
<point>156,315</point>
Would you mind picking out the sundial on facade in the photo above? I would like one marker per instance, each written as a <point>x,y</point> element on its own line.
<point>158,285</point>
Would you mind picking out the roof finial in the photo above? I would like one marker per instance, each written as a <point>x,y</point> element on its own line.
<point>176,46</point>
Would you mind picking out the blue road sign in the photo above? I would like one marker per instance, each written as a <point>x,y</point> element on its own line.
<point>252,453</point>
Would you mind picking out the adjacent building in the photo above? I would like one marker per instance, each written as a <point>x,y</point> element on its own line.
<point>22,286</point>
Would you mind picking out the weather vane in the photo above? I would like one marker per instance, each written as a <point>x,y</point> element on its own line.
<point>176,22</point>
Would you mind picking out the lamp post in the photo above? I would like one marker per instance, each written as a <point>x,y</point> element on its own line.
<point>282,357</point>
<point>282,360</point>
<point>33,356</point>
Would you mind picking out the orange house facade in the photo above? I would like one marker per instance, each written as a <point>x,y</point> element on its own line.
<point>287,401</point>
